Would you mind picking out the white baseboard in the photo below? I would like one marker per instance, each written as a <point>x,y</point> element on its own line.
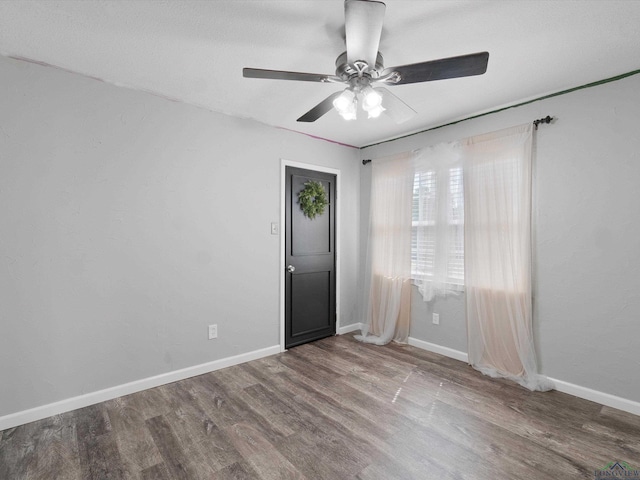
<point>349,328</point>
<point>432,347</point>
<point>38,413</point>
<point>607,399</point>
<point>44,411</point>
<point>602,398</point>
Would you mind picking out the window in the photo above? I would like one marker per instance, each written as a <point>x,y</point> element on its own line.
<point>455,263</point>
<point>423,217</point>
<point>437,237</point>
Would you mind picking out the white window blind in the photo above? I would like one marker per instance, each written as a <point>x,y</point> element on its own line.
<point>423,223</point>
<point>437,240</point>
<point>455,263</point>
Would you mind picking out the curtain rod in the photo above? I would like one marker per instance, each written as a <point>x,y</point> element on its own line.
<point>546,119</point>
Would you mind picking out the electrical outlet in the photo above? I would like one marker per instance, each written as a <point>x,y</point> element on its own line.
<point>436,319</point>
<point>213,331</point>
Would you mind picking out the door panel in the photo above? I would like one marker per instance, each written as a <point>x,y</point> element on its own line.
<point>310,294</point>
<point>310,290</point>
<point>310,236</point>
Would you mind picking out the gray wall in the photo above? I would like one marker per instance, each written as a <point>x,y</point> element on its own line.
<point>129,223</point>
<point>587,235</point>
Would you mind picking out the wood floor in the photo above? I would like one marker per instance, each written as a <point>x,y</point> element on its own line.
<point>335,409</point>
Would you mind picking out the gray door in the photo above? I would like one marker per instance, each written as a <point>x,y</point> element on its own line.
<point>310,278</point>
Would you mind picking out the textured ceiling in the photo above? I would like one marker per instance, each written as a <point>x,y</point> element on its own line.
<point>194,51</point>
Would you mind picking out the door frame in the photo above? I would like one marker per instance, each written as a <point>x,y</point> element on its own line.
<point>338,196</point>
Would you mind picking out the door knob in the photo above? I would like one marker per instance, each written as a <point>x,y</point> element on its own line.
<point>291,269</point>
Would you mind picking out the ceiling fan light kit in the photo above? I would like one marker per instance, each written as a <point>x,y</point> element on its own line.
<point>346,104</point>
<point>361,67</point>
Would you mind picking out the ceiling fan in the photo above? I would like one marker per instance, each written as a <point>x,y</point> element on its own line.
<point>361,68</point>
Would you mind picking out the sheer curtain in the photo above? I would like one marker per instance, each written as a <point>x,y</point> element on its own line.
<point>438,221</point>
<point>387,292</point>
<point>497,244</point>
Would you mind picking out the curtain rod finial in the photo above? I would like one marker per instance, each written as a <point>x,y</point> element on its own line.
<point>546,119</point>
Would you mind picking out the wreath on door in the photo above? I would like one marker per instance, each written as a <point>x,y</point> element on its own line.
<point>312,199</point>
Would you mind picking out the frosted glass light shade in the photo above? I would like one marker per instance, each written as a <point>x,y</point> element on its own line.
<point>346,104</point>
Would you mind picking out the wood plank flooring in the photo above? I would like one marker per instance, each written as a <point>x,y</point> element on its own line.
<point>335,409</point>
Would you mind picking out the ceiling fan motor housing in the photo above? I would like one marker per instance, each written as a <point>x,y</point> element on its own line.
<point>346,71</point>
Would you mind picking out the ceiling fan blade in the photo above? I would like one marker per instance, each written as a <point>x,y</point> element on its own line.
<point>452,67</point>
<point>363,27</point>
<point>395,108</point>
<point>319,110</point>
<point>282,75</point>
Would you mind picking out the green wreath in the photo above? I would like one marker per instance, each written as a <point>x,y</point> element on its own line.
<point>312,199</point>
